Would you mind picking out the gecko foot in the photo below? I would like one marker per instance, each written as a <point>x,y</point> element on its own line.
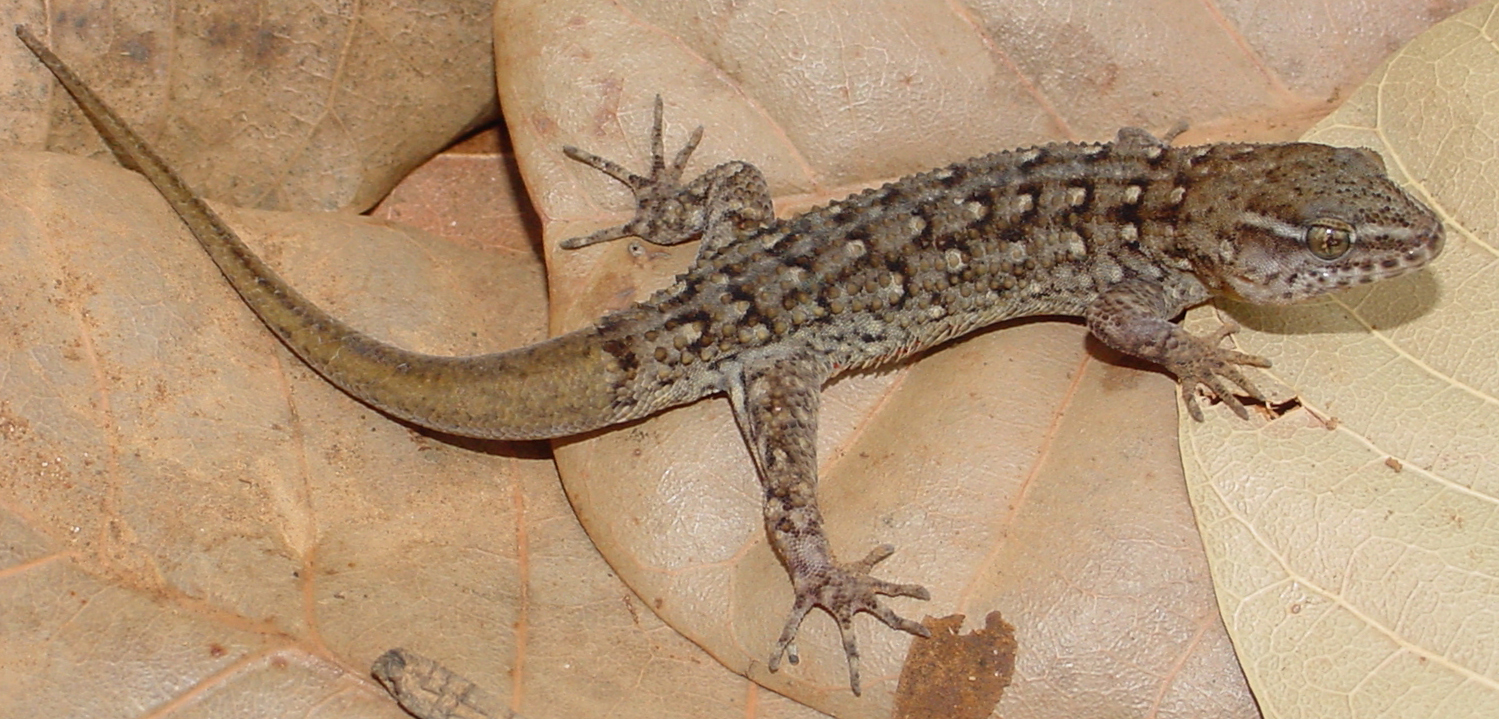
<point>1201,361</point>
<point>659,208</point>
<point>845,590</point>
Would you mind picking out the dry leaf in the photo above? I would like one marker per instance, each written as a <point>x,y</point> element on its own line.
<point>206,515</point>
<point>275,105</point>
<point>1354,586</point>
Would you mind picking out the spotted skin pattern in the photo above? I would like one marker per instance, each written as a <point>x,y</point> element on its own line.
<point>1125,234</point>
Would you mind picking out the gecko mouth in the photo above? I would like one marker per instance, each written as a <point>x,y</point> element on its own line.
<point>1428,243</point>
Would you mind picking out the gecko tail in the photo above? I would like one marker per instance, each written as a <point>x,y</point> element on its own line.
<point>555,388</point>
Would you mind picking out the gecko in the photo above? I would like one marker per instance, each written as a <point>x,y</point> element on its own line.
<point>1124,234</point>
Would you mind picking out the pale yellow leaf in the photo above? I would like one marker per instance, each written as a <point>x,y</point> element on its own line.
<point>1355,540</point>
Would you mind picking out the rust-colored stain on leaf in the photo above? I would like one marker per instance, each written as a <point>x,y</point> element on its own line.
<point>955,675</point>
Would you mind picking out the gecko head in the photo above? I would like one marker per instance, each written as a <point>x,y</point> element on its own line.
<point>1285,223</point>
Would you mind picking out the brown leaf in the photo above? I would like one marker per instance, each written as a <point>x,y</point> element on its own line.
<point>201,512</point>
<point>272,105</point>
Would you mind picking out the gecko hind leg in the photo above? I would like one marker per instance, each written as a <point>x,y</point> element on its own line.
<point>721,205</point>
<point>775,400</point>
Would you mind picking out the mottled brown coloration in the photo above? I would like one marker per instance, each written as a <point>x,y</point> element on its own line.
<point>1126,234</point>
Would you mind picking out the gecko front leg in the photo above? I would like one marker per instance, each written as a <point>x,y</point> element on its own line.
<point>1134,317</point>
<point>723,204</point>
<point>775,401</point>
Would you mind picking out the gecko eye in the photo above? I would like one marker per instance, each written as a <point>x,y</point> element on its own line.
<point>1329,239</point>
